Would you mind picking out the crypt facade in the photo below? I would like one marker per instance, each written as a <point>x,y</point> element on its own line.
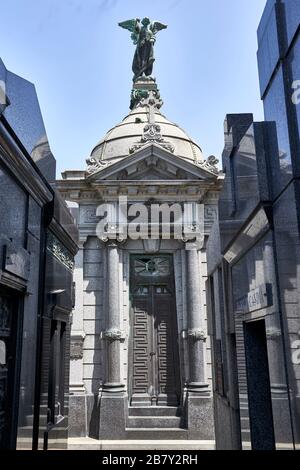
<point>140,353</point>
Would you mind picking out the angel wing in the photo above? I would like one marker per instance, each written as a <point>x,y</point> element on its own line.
<point>133,26</point>
<point>157,26</point>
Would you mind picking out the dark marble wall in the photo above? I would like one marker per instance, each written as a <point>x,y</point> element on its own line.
<point>281,96</point>
<point>38,242</point>
<point>254,250</point>
<point>24,117</point>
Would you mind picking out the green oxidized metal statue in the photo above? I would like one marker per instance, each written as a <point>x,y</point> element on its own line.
<point>143,36</point>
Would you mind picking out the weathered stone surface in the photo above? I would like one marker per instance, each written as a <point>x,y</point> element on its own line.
<point>200,419</point>
<point>77,416</point>
<point>112,418</point>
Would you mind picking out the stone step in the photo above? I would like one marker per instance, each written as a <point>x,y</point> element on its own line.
<point>87,443</point>
<point>156,433</point>
<point>155,422</point>
<point>154,411</point>
<point>29,420</point>
<point>26,432</point>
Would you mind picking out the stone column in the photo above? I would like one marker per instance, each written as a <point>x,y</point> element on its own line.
<point>279,389</point>
<point>77,399</point>
<point>196,333</point>
<point>113,334</point>
<point>77,329</point>
<point>199,401</point>
<point>113,401</point>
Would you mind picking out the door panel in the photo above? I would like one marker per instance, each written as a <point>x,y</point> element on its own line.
<point>141,347</point>
<point>155,358</point>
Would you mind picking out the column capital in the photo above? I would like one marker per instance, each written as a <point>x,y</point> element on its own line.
<point>113,243</point>
<point>82,240</point>
<point>113,334</point>
<point>193,245</point>
<point>197,334</point>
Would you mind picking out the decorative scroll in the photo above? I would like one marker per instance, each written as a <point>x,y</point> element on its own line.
<point>210,165</point>
<point>94,165</point>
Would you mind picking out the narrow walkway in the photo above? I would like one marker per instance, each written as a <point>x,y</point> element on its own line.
<point>86,443</point>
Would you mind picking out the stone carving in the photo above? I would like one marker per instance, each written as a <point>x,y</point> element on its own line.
<point>197,334</point>
<point>59,251</point>
<point>210,165</point>
<point>76,349</point>
<point>93,165</point>
<point>210,213</point>
<point>88,215</point>
<point>152,134</point>
<point>144,37</point>
<point>141,97</point>
<point>113,335</point>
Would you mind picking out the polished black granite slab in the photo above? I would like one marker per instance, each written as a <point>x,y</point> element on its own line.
<point>24,116</point>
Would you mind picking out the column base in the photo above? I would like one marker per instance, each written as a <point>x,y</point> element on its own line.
<point>200,419</point>
<point>198,389</point>
<point>113,388</point>
<point>77,389</point>
<point>113,413</point>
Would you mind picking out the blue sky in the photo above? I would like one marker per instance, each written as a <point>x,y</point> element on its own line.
<point>80,62</point>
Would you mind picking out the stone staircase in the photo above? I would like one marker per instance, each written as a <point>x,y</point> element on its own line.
<point>57,438</point>
<point>159,422</point>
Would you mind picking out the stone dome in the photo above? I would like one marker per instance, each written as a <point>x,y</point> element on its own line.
<point>119,140</point>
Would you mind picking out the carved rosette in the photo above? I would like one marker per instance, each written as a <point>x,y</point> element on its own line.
<point>113,335</point>
<point>197,335</point>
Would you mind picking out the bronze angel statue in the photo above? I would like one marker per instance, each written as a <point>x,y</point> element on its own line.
<point>143,36</point>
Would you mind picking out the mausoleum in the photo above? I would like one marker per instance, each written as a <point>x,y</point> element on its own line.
<point>140,353</point>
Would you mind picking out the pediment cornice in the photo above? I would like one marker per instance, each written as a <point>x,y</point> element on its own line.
<point>151,172</point>
<point>154,163</point>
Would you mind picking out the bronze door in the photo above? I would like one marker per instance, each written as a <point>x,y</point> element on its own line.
<point>155,378</point>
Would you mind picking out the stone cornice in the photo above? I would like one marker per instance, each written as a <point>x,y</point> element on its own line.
<point>172,190</point>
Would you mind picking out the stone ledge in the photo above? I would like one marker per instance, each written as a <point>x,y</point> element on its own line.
<point>93,444</point>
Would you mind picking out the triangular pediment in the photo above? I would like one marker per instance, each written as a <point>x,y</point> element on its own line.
<point>152,163</point>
